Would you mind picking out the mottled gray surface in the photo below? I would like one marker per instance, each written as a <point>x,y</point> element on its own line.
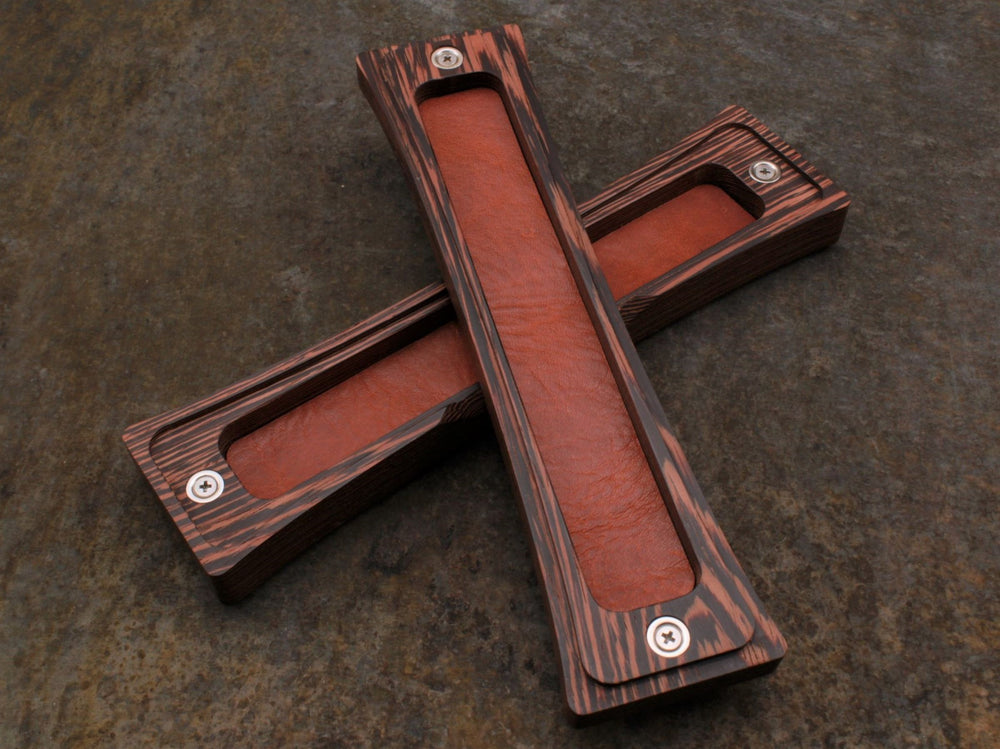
<point>192,190</point>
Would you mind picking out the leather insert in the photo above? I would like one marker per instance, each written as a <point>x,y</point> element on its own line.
<point>626,545</point>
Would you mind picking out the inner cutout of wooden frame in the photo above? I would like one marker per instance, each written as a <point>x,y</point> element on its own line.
<point>247,537</point>
<point>494,257</point>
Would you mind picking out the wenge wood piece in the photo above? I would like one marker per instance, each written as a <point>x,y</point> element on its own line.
<point>250,538</point>
<point>607,663</point>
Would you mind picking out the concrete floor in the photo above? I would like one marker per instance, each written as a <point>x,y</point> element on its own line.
<point>190,191</point>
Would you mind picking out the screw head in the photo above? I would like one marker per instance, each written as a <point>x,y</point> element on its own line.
<point>205,486</point>
<point>668,637</point>
<point>446,58</point>
<point>765,171</point>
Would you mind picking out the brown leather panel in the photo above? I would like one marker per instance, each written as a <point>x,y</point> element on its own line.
<point>325,430</point>
<point>628,550</point>
<point>668,235</point>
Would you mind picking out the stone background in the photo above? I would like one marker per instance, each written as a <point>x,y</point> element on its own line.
<point>190,191</point>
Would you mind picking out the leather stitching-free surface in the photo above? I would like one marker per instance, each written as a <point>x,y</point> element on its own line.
<point>627,547</point>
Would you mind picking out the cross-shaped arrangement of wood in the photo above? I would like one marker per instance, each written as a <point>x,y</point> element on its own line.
<point>535,323</point>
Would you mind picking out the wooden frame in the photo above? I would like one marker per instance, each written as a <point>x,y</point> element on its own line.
<point>244,539</point>
<point>607,664</point>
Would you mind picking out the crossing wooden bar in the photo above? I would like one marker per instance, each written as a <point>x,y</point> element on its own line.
<point>659,273</point>
<point>645,596</point>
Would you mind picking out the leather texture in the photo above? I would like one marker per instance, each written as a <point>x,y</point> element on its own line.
<point>664,237</point>
<point>626,545</point>
<point>334,425</point>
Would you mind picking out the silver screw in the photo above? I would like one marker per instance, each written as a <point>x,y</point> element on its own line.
<point>446,58</point>
<point>205,486</point>
<point>765,171</point>
<point>668,636</point>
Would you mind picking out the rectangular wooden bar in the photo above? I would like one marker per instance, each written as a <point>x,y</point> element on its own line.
<point>657,272</point>
<point>645,595</point>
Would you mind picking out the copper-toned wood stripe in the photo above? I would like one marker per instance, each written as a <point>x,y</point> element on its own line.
<point>247,539</point>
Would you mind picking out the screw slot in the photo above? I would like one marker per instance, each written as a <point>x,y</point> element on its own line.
<point>765,172</point>
<point>668,637</point>
<point>446,58</point>
<point>205,486</point>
